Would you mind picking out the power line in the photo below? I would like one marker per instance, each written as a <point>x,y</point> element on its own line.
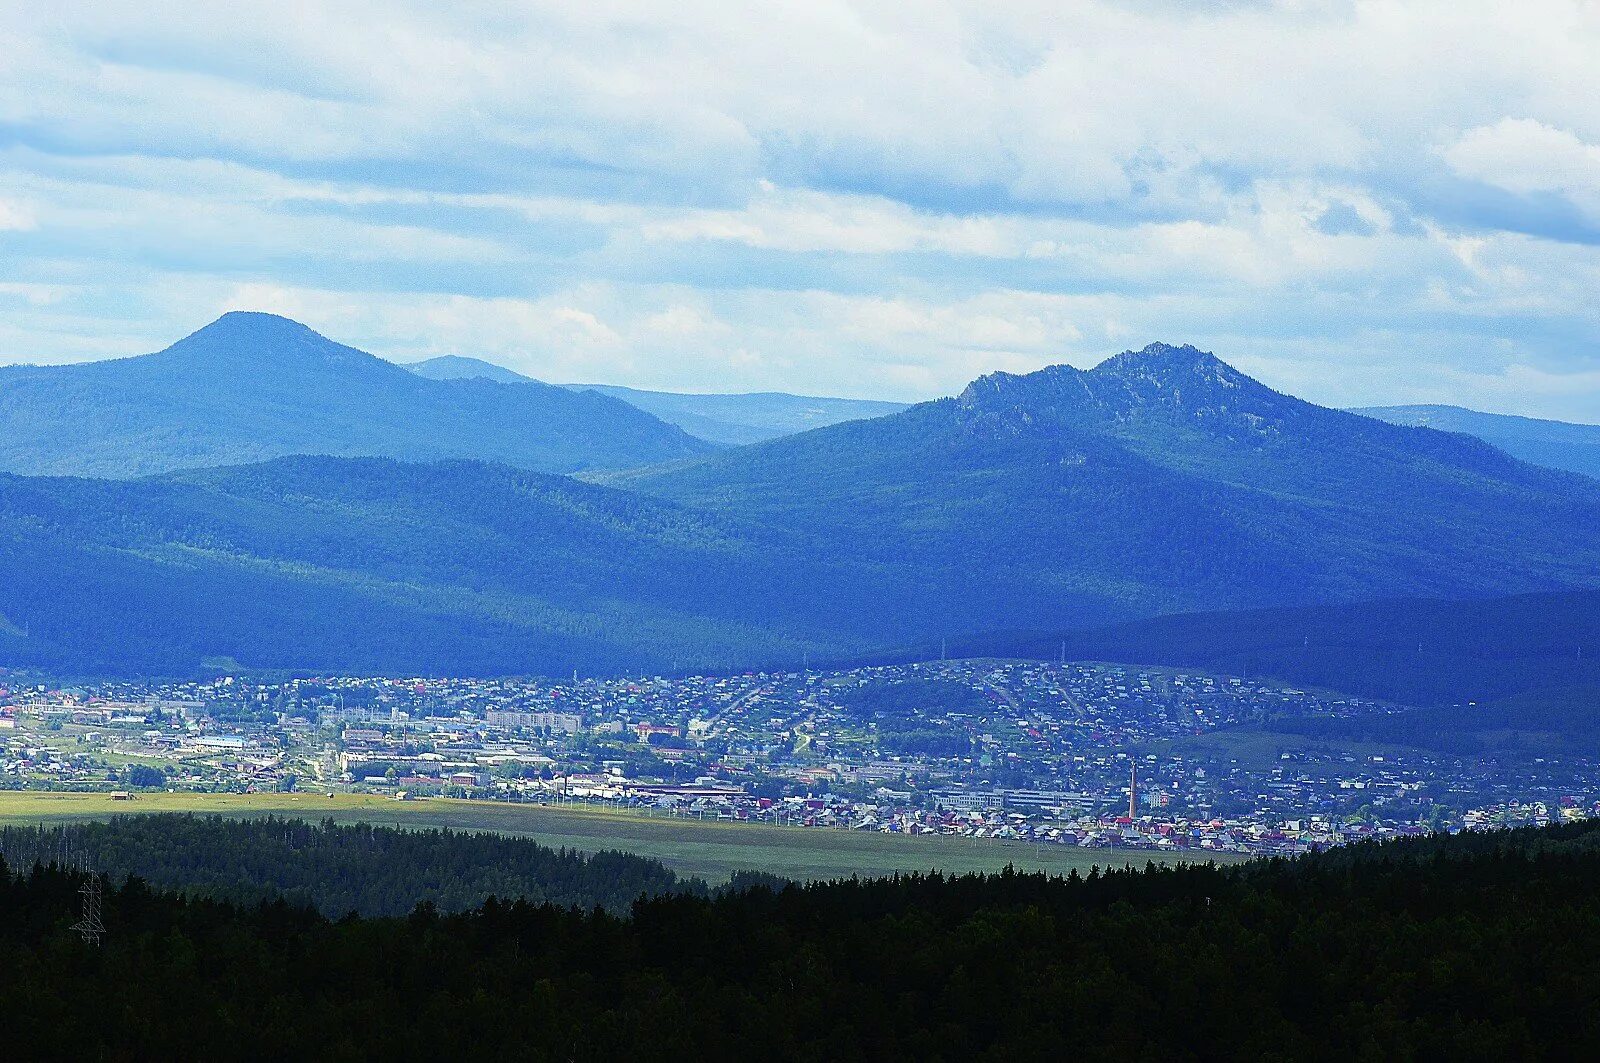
<point>90,927</point>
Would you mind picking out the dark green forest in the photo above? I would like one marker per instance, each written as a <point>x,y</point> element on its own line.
<point>1564,720</point>
<point>336,869</point>
<point>1472,947</point>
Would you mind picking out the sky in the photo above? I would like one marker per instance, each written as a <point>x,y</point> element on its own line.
<point>1359,203</point>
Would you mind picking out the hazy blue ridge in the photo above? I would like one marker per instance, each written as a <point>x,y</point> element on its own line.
<point>746,418</point>
<point>458,367</point>
<point>250,387</point>
<point>1553,444</point>
<point>729,419</point>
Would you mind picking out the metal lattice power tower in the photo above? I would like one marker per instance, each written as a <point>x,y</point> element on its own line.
<point>90,928</point>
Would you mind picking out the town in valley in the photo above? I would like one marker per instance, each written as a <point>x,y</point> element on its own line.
<point>1089,755</point>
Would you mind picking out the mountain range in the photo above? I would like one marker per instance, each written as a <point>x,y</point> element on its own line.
<point>1553,444</point>
<point>731,419</point>
<point>736,419</point>
<point>752,417</point>
<point>254,386</point>
<point>1161,481</point>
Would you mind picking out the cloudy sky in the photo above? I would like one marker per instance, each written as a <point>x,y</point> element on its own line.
<point>1360,203</point>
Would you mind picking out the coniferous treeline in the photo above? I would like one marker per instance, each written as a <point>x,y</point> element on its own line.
<point>1473,947</point>
<point>369,870</point>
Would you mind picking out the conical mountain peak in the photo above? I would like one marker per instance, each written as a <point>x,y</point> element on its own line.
<point>255,323</point>
<point>250,386</point>
<point>249,340</point>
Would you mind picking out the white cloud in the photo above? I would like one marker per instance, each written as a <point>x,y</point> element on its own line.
<point>838,195</point>
<point>16,217</point>
<point>33,294</point>
<point>1109,102</point>
<point>1525,156</point>
<point>679,339</point>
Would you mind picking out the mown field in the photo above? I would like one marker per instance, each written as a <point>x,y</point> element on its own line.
<point>710,849</point>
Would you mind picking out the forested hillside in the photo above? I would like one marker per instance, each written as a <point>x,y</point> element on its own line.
<point>1474,947</point>
<point>376,565</point>
<point>1160,481</point>
<point>1492,674</point>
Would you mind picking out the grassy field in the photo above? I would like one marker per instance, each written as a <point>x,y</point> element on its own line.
<point>709,849</point>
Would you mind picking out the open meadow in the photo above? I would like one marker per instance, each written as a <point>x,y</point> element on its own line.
<point>709,848</point>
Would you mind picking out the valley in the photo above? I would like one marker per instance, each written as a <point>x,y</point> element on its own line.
<point>960,765</point>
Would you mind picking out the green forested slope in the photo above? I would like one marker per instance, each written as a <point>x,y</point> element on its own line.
<point>1421,651</point>
<point>1481,947</point>
<point>1161,482</point>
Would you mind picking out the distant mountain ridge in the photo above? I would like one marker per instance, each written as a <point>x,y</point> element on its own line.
<point>458,367</point>
<point>752,417</point>
<point>731,419</point>
<point>1553,444</point>
<point>1161,480</point>
<point>250,387</point>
